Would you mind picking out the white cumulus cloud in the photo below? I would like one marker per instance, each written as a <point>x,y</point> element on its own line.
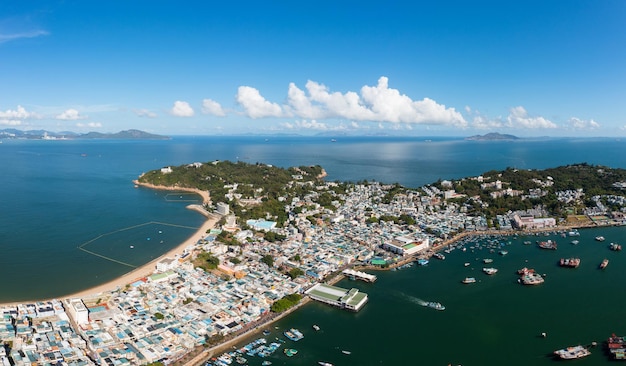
<point>181,109</point>
<point>255,105</point>
<point>372,103</point>
<point>518,118</point>
<point>70,115</point>
<point>210,106</point>
<point>580,124</point>
<point>18,113</point>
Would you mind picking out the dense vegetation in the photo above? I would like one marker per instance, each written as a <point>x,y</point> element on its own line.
<point>206,261</point>
<point>593,180</point>
<point>260,183</point>
<point>285,303</point>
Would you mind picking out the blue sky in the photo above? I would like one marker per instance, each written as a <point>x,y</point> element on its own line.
<point>435,68</point>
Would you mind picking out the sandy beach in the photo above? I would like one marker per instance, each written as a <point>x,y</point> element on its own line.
<point>145,270</point>
<point>148,268</point>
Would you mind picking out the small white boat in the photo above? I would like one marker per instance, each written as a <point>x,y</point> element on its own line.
<point>490,270</point>
<point>467,280</point>
<point>316,327</point>
<point>346,352</point>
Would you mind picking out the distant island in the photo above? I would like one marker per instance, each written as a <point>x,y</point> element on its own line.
<point>11,133</point>
<point>492,136</point>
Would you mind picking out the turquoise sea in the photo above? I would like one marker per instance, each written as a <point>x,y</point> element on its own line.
<point>61,196</point>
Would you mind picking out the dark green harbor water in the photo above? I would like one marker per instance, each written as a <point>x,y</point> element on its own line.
<point>494,321</point>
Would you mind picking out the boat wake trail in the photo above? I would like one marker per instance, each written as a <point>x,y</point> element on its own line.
<point>415,300</point>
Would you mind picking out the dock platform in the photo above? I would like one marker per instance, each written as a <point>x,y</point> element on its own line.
<point>359,275</point>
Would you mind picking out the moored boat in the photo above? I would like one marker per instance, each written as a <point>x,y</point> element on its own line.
<point>617,347</point>
<point>293,334</point>
<point>316,327</point>
<point>570,262</point>
<point>422,261</point>
<point>487,260</point>
<point>549,244</point>
<point>439,256</point>
<point>490,270</point>
<point>573,352</point>
<point>467,280</point>
<point>531,278</point>
<point>600,238</point>
<point>604,263</point>
<point>289,352</point>
<point>615,246</point>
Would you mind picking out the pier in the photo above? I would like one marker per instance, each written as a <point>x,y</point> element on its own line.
<point>359,275</point>
<point>340,297</point>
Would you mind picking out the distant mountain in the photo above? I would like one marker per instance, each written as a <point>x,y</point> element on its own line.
<point>11,133</point>
<point>492,136</point>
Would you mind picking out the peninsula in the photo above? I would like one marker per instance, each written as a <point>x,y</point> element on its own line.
<point>273,234</point>
<point>12,133</point>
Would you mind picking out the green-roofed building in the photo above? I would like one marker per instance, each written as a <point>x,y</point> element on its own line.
<point>345,299</point>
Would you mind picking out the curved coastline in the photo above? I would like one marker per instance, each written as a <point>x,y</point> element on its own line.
<point>148,268</point>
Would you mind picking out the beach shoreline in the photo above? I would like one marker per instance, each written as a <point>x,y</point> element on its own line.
<point>144,270</point>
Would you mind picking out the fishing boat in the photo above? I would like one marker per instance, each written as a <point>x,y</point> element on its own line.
<point>570,262</point>
<point>435,305</point>
<point>293,334</point>
<point>490,270</point>
<point>531,278</point>
<point>615,246</point>
<point>617,347</point>
<point>604,263</point>
<point>467,280</point>
<point>573,352</point>
<point>549,244</point>
<point>289,352</point>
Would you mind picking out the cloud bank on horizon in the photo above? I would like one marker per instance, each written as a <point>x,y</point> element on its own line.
<point>317,108</point>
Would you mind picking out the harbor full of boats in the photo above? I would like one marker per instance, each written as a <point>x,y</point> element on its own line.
<point>527,276</point>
